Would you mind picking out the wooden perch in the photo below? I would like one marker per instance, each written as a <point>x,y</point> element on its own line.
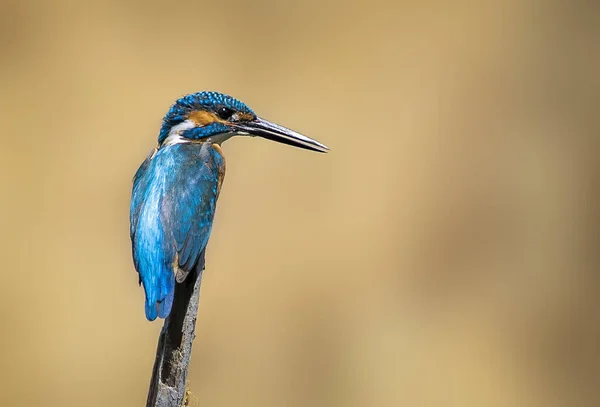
<point>167,386</point>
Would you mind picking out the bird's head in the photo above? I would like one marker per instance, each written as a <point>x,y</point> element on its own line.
<point>215,117</point>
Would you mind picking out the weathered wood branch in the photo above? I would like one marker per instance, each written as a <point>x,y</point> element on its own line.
<point>167,386</point>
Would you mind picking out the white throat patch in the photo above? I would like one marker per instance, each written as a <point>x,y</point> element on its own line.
<point>219,138</point>
<point>174,136</point>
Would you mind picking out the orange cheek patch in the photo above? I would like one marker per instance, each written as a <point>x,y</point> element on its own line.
<point>202,118</point>
<point>245,116</point>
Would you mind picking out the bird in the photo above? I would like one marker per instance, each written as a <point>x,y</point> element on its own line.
<point>175,189</point>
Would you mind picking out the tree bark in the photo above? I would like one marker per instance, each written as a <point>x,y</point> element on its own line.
<point>167,386</point>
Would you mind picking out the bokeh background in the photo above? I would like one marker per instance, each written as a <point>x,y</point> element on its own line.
<point>444,253</point>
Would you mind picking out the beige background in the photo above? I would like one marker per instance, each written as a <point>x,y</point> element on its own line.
<point>443,254</point>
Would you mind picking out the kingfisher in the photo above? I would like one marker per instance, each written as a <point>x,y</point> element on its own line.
<point>176,188</point>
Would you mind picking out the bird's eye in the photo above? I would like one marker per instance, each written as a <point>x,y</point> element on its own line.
<point>225,112</point>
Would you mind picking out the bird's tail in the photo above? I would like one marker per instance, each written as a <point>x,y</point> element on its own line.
<point>159,302</point>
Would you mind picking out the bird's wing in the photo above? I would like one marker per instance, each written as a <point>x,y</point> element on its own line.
<point>189,208</point>
<point>140,183</point>
<point>151,252</point>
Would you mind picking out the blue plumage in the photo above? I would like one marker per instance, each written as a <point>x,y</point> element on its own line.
<point>175,190</point>
<point>172,208</point>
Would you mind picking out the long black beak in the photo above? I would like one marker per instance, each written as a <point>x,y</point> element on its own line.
<point>271,131</point>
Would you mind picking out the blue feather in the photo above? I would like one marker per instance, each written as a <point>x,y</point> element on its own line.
<point>150,311</point>
<point>172,209</point>
<point>164,306</point>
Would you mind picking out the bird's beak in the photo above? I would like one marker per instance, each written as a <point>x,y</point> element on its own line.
<point>266,129</point>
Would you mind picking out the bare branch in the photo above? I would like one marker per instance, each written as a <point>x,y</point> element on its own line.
<point>167,386</point>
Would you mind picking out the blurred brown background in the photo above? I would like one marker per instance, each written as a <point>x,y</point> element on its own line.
<point>443,254</point>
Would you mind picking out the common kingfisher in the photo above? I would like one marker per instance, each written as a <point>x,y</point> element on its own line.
<point>176,188</point>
